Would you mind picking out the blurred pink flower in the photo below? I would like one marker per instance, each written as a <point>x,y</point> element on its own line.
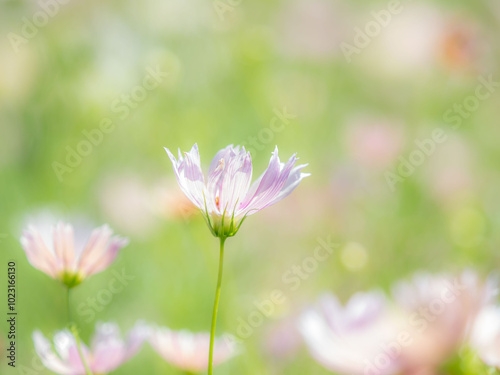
<point>107,352</point>
<point>446,41</point>
<point>283,340</point>
<point>373,143</point>
<point>347,339</point>
<point>125,199</point>
<point>485,337</point>
<point>189,351</point>
<point>313,29</point>
<point>408,45</point>
<point>463,47</point>
<point>227,197</point>
<point>135,206</point>
<point>416,335</point>
<point>171,202</point>
<point>440,311</point>
<point>60,255</point>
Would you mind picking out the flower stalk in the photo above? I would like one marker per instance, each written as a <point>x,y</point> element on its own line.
<point>226,196</point>
<point>74,330</point>
<point>216,306</point>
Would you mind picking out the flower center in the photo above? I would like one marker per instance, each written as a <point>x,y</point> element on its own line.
<point>70,279</point>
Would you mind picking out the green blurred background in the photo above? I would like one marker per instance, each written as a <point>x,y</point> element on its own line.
<point>230,68</point>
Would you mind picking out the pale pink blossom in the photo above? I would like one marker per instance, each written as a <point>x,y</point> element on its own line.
<point>313,29</point>
<point>170,202</point>
<point>440,310</point>
<point>373,143</point>
<point>427,323</point>
<point>411,48</point>
<point>107,352</point>
<point>189,351</point>
<point>485,337</point>
<point>464,46</point>
<point>283,340</point>
<point>65,257</point>
<point>227,197</point>
<point>408,45</point>
<point>348,339</point>
<point>127,202</point>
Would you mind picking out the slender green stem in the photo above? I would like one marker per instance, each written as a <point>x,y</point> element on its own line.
<point>74,330</point>
<point>216,307</point>
<point>68,306</point>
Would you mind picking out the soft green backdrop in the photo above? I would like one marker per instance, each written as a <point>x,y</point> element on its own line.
<point>226,78</point>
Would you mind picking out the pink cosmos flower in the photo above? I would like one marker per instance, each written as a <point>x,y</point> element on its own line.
<point>429,322</point>
<point>374,143</point>
<point>189,351</point>
<point>440,310</point>
<point>283,340</point>
<point>485,338</point>
<point>65,257</point>
<point>227,196</point>
<point>347,339</point>
<point>107,352</point>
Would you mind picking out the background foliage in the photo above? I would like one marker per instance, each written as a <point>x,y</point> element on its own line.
<point>228,74</point>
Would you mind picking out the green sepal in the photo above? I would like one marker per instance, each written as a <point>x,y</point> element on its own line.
<point>70,279</point>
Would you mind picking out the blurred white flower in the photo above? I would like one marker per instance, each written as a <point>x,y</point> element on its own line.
<point>407,45</point>
<point>348,339</point>
<point>485,338</point>
<point>440,311</point>
<point>107,352</point>
<point>189,351</point>
<point>428,323</point>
